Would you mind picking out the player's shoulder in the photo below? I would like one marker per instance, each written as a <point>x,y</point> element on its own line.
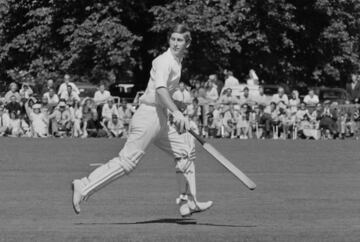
<point>162,60</point>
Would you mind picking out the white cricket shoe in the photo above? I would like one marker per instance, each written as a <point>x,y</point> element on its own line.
<point>187,207</point>
<point>77,197</point>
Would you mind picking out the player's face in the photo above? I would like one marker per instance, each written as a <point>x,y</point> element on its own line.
<point>178,44</point>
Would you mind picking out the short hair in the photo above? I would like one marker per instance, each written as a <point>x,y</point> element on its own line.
<point>246,89</point>
<point>181,29</point>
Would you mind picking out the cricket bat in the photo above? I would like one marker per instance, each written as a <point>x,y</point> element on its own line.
<point>225,162</point>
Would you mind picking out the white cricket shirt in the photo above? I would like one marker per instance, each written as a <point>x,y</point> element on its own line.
<point>165,72</point>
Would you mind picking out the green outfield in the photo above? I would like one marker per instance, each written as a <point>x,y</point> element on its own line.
<point>307,191</point>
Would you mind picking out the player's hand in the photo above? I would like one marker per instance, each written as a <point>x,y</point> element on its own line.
<point>181,122</point>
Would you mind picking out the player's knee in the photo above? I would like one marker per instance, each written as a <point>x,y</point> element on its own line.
<point>129,160</point>
<point>184,165</point>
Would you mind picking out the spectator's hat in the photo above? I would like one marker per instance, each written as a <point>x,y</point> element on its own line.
<point>36,106</point>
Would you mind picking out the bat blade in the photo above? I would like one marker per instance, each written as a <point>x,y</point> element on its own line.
<point>230,166</point>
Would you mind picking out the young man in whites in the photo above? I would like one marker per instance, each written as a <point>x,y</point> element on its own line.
<point>150,124</point>
<point>64,86</point>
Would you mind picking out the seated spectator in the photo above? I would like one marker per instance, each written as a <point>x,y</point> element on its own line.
<point>87,109</point>
<point>69,94</point>
<point>246,98</point>
<point>202,96</point>
<point>280,96</point>
<point>49,85</point>
<point>125,112</point>
<point>28,105</point>
<point>226,98</point>
<point>261,97</point>
<point>39,122</point>
<point>193,123</point>
<point>264,123</point>
<point>64,86</point>
<point>115,127</point>
<point>94,128</point>
<point>4,120</point>
<point>181,94</point>
<point>13,106</point>
<point>12,92</point>
<point>231,117</point>
<point>311,99</point>
<point>60,120</point>
<point>230,80</point>
<point>14,126</point>
<point>109,109</point>
<point>26,90</point>
<point>294,101</point>
<point>52,97</point>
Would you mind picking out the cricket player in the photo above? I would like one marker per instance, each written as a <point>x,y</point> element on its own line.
<point>150,123</point>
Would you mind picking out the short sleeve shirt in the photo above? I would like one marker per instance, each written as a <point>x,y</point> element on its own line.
<point>165,72</point>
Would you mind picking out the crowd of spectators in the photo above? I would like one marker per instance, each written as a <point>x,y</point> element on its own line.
<point>218,109</point>
<point>61,113</point>
<point>230,109</point>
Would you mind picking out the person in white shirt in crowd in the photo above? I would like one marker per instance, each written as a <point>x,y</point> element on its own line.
<point>246,98</point>
<point>230,80</point>
<point>64,86</point>
<point>280,96</point>
<point>60,119</point>
<point>52,97</point>
<point>181,94</point>
<point>231,117</point>
<point>253,79</point>
<point>26,90</point>
<point>294,101</point>
<point>101,96</point>
<point>125,112</point>
<point>109,109</point>
<point>212,91</point>
<point>39,122</point>
<point>4,120</point>
<point>76,119</point>
<point>227,97</point>
<point>115,127</point>
<point>311,99</point>
<point>12,92</point>
<point>69,94</point>
<point>194,109</point>
<point>243,125</point>
<point>261,97</point>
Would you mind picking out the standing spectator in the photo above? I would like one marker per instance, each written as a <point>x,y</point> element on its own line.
<point>12,92</point>
<point>353,88</point>
<point>52,97</point>
<point>39,122</point>
<point>212,90</point>
<point>280,96</point>
<point>4,120</point>
<point>100,98</point>
<point>230,80</point>
<point>261,97</point>
<point>49,85</point>
<point>26,90</point>
<point>70,94</point>
<point>64,86</point>
<point>227,97</point>
<point>109,109</point>
<point>294,101</point>
<point>311,99</point>
<point>219,84</point>
<point>13,106</point>
<point>181,94</point>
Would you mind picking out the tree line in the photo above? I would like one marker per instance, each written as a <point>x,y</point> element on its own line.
<point>285,41</point>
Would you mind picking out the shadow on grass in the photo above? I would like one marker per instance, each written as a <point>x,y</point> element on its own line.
<point>180,221</point>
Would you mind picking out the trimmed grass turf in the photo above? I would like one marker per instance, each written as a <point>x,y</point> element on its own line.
<point>307,191</point>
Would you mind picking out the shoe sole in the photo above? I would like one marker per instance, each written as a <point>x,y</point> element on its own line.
<point>72,198</point>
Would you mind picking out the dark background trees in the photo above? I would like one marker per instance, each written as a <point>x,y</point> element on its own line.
<point>291,41</point>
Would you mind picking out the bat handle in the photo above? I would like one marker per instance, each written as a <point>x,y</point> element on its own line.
<point>196,136</point>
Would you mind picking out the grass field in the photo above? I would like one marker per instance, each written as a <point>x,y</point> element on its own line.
<point>307,191</point>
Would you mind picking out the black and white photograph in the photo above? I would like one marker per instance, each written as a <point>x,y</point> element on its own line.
<point>180,120</point>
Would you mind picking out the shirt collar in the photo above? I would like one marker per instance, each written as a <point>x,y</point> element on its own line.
<point>177,59</point>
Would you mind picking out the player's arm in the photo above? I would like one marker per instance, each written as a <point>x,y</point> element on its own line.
<point>180,121</point>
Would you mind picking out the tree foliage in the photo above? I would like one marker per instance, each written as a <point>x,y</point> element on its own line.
<point>312,41</point>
